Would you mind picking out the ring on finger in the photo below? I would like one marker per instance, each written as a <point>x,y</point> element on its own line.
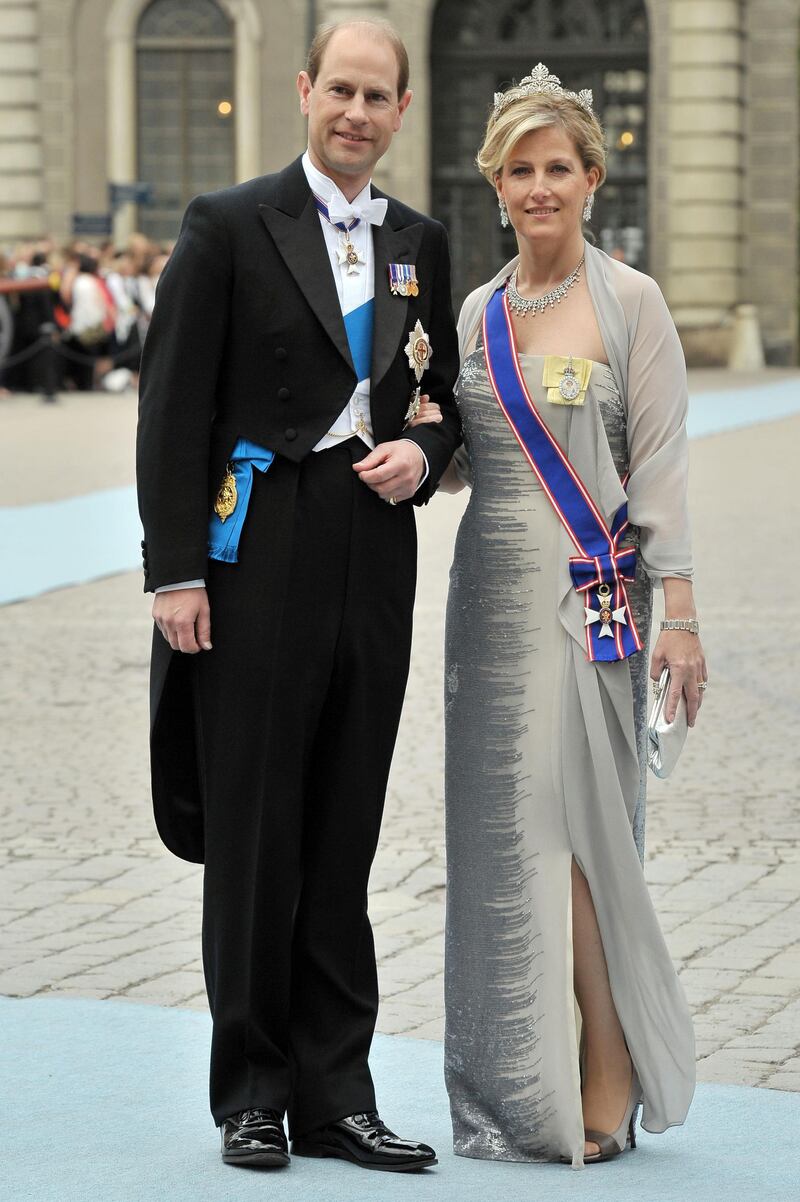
<point>702,684</point>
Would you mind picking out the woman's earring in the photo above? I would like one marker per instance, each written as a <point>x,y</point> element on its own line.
<point>587,208</point>
<point>503,212</point>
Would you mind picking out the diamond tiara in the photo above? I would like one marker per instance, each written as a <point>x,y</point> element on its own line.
<point>540,80</point>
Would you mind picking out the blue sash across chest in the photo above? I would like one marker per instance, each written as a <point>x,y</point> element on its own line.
<point>247,457</point>
<point>600,568</point>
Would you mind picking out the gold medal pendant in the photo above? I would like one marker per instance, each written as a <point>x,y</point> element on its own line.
<point>604,596</point>
<point>227,496</point>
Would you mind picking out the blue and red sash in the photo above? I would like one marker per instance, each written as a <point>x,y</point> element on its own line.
<point>600,568</point>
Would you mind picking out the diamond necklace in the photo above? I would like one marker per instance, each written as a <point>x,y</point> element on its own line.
<point>537,304</point>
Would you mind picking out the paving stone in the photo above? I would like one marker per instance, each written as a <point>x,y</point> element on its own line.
<point>92,905</point>
<point>771,986</point>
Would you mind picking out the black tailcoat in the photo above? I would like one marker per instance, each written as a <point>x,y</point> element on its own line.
<point>247,339</point>
<point>270,753</point>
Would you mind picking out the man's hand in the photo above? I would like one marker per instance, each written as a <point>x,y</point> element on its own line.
<point>184,618</point>
<point>393,469</point>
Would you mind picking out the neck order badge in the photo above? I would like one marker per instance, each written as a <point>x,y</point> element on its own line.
<point>348,255</point>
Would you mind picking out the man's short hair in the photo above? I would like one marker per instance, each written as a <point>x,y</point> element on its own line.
<point>375,26</point>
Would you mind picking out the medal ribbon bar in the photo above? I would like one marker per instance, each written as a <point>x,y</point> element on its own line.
<point>403,279</point>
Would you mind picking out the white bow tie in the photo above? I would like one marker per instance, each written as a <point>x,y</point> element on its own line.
<point>372,211</point>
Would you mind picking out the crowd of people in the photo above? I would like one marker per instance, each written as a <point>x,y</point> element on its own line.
<point>75,316</point>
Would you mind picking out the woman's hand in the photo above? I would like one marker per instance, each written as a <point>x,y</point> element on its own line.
<point>683,653</point>
<point>429,411</point>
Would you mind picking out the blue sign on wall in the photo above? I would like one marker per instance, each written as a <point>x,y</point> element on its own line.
<point>91,224</point>
<point>137,193</point>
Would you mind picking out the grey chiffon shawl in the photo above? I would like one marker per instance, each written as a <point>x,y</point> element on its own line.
<point>598,761</point>
<point>646,358</point>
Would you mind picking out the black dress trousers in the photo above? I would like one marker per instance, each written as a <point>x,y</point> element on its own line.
<point>299,703</point>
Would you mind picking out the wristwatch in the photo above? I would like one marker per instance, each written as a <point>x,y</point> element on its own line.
<point>690,624</point>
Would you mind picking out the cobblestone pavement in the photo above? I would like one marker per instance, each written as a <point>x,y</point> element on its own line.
<point>91,904</point>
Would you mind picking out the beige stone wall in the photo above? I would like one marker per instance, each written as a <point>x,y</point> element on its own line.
<point>283,55</point>
<point>58,81</point>
<point>704,153</point>
<point>21,214</point>
<point>658,137</point>
<point>70,126</point>
<point>723,135</point>
<point>772,124</point>
<point>728,231</point>
<point>94,96</point>
<point>404,171</point>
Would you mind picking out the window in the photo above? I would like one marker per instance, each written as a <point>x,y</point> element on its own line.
<point>478,48</point>
<point>185,107</point>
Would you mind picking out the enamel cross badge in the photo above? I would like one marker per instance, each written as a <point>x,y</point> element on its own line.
<point>605,614</point>
<point>348,256</point>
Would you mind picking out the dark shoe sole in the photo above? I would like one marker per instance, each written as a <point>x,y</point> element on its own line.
<point>320,1151</point>
<point>257,1160</point>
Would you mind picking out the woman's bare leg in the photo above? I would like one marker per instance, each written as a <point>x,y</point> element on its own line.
<point>607,1064</point>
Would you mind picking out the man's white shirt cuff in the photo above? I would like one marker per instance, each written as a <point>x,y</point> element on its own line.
<point>427,471</point>
<point>172,588</point>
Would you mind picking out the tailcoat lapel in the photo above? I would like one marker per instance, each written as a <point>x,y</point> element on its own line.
<point>390,246</point>
<point>294,225</point>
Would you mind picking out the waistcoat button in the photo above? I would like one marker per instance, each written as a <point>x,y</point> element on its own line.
<point>280,352</point>
<point>290,434</point>
<point>283,394</point>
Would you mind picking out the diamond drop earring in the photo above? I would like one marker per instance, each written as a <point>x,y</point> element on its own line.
<point>503,212</point>
<point>587,208</point>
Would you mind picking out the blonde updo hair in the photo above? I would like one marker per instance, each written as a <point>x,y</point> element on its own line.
<point>523,114</point>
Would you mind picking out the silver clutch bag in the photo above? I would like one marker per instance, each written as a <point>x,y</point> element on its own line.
<point>665,740</point>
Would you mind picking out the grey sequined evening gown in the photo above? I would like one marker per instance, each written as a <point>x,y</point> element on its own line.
<point>511,1050</point>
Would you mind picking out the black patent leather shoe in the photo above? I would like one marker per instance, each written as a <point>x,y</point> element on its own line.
<point>365,1140</point>
<point>255,1138</point>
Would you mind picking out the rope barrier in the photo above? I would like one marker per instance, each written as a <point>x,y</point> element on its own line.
<point>119,360</point>
<point>21,356</point>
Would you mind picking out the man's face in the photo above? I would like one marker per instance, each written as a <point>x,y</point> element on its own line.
<point>353,108</point>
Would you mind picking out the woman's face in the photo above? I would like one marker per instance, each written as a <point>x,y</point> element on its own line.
<point>545,185</point>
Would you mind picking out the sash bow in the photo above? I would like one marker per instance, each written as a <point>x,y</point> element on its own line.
<point>610,567</point>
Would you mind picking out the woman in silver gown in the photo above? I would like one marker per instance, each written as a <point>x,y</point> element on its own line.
<point>563,1009</point>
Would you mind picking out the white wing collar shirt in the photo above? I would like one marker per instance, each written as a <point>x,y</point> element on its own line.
<point>354,288</point>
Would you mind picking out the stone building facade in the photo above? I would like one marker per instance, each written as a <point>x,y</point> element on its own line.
<point>699,98</point>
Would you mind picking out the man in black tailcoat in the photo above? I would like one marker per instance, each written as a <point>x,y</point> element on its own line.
<point>281,654</point>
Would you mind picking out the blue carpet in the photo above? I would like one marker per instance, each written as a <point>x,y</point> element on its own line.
<point>61,543</point>
<point>716,412</point>
<point>58,543</point>
<point>105,1102</point>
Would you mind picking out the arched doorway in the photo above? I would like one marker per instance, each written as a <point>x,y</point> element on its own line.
<point>478,48</point>
<point>185,107</point>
